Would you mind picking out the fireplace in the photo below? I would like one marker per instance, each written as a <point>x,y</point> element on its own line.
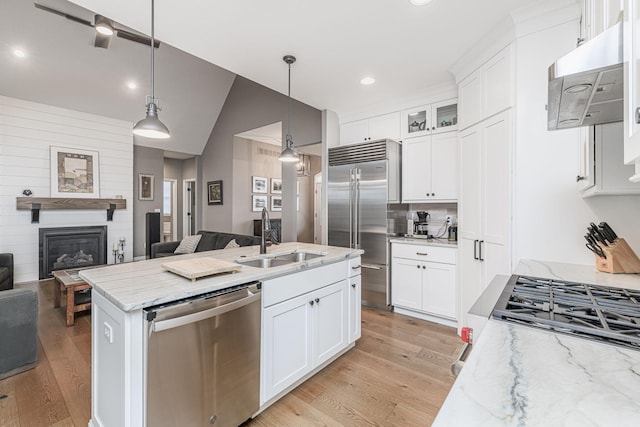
<point>62,248</point>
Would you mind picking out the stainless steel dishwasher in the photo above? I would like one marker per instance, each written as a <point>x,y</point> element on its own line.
<point>203,359</point>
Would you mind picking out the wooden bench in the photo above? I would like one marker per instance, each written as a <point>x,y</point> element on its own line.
<point>68,281</point>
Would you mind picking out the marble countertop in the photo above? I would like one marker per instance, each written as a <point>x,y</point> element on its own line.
<point>136,285</point>
<point>522,376</point>
<point>426,242</point>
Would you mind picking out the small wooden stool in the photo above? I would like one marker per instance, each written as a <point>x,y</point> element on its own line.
<point>69,281</point>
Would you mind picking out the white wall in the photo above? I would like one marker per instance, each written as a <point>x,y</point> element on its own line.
<point>550,217</point>
<point>27,130</point>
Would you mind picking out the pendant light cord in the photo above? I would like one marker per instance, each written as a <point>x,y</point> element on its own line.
<point>289,109</point>
<point>153,95</point>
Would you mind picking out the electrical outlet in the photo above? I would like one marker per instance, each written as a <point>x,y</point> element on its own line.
<point>449,219</point>
<point>108,332</point>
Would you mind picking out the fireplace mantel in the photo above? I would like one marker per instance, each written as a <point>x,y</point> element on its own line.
<point>36,204</point>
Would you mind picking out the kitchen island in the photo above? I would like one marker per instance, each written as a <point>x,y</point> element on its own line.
<point>520,376</point>
<point>314,304</point>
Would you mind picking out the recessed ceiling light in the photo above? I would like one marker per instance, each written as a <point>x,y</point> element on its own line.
<point>419,2</point>
<point>19,53</point>
<point>367,81</point>
<point>132,85</point>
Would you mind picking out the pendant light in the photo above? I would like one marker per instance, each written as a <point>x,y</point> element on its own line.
<point>289,154</point>
<point>151,126</point>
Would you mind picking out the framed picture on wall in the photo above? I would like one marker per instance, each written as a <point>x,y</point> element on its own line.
<point>276,203</point>
<point>276,185</point>
<point>74,173</point>
<point>214,192</point>
<point>258,202</point>
<point>258,184</point>
<point>145,186</point>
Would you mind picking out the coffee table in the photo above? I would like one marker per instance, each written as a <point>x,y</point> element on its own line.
<point>69,281</point>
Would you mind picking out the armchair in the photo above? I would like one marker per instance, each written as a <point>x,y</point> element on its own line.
<point>6,272</point>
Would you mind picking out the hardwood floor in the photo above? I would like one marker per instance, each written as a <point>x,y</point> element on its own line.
<point>397,375</point>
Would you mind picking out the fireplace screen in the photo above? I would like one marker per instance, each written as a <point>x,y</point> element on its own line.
<point>62,248</point>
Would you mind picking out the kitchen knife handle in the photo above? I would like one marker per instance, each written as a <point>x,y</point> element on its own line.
<point>480,250</point>
<point>475,249</point>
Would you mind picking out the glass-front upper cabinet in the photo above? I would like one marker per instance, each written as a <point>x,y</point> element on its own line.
<point>430,119</point>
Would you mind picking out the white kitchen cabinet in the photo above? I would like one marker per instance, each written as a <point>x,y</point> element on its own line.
<point>484,214</point>
<point>429,119</point>
<point>488,90</point>
<point>423,280</point>
<point>631,46</point>
<point>598,15</point>
<point>429,168</point>
<point>302,333</point>
<point>378,127</point>
<point>602,171</point>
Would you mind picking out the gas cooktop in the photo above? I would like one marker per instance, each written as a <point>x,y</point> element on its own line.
<point>602,313</point>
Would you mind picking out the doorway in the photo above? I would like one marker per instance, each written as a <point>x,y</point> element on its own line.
<point>169,208</point>
<point>189,216</point>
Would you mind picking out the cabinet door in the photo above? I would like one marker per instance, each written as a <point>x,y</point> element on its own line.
<point>439,289</point>
<point>415,122</point>
<point>355,307</point>
<point>444,116</point>
<point>470,100</point>
<point>385,126</point>
<point>470,183</point>
<point>497,83</point>
<point>631,47</point>
<point>586,167</point>
<point>470,277</point>
<point>354,132</point>
<point>495,179</point>
<point>444,166</point>
<point>416,169</point>
<point>287,353</point>
<point>406,282</point>
<point>330,321</point>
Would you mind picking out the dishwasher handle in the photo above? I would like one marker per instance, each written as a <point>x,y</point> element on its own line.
<point>163,325</point>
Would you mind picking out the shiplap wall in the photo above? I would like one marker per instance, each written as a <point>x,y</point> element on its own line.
<point>27,131</point>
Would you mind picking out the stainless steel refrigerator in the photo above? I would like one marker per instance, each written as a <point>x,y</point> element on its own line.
<point>363,180</point>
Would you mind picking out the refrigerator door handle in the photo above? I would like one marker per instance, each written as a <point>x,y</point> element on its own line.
<point>371,266</point>
<point>356,213</point>
<point>351,242</point>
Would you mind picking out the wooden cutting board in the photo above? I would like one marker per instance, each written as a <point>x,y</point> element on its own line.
<point>200,267</point>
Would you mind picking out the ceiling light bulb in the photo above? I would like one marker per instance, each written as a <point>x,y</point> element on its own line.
<point>132,85</point>
<point>19,53</point>
<point>419,2</point>
<point>367,81</point>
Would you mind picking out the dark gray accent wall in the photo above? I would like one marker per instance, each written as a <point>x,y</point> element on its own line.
<point>145,161</point>
<point>250,105</point>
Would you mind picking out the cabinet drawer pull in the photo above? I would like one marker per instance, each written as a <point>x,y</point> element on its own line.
<point>475,249</point>
<point>355,267</point>
<point>317,300</point>
<point>353,285</point>
<point>422,253</point>
<point>311,302</point>
<point>480,250</point>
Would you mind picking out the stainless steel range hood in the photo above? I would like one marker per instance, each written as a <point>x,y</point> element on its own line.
<point>586,85</point>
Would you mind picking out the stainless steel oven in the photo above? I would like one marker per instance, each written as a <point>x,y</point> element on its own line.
<point>203,359</point>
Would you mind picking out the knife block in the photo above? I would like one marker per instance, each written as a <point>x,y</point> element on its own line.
<point>620,258</point>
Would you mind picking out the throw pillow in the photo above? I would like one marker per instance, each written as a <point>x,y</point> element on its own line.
<point>232,244</point>
<point>188,245</point>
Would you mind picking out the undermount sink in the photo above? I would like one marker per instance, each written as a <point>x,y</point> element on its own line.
<point>268,261</point>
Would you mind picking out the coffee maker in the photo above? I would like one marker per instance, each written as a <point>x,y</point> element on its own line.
<point>420,226</point>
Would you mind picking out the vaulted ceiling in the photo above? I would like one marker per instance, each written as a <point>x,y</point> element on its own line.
<point>404,47</point>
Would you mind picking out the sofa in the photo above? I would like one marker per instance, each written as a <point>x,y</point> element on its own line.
<point>209,241</point>
<point>18,324</point>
